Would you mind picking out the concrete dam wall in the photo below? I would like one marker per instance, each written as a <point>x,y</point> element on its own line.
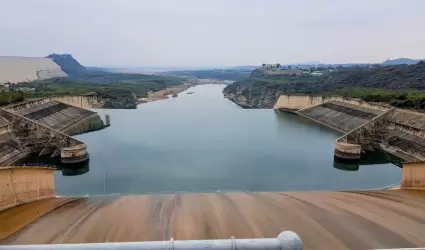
<point>366,126</point>
<point>298,102</point>
<point>413,176</point>
<point>85,102</point>
<point>44,126</point>
<point>60,116</point>
<point>20,185</point>
<point>340,116</point>
<point>22,69</point>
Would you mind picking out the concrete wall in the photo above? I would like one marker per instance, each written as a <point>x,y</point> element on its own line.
<point>90,123</point>
<point>22,184</point>
<point>297,102</point>
<point>25,105</point>
<point>20,69</point>
<point>409,122</point>
<point>407,129</point>
<point>85,102</point>
<point>413,176</point>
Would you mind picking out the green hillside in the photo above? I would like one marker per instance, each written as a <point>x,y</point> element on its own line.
<point>399,85</point>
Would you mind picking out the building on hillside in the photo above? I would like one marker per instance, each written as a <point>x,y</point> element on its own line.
<point>316,73</point>
<point>25,89</point>
<point>285,72</point>
<point>271,66</point>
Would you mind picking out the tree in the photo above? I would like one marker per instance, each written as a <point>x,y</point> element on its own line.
<point>264,65</point>
<point>289,67</point>
<point>278,65</point>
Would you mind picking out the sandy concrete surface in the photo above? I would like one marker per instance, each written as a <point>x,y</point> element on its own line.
<point>324,220</point>
<point>20,69</point>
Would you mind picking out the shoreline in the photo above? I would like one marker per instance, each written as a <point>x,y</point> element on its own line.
<point>164,94</point>
<point>175,90</point>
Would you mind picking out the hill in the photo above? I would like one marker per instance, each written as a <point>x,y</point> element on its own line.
<point>122,90</point>
<point>68,64</point>
<point>218,74</point>
<point>401,85</point>
<point>245,67</point>
<point>400,61</point>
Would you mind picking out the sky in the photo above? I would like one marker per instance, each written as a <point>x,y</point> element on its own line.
<point>202,33</point>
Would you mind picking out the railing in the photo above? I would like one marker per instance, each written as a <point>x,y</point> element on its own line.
<point>285,241</point>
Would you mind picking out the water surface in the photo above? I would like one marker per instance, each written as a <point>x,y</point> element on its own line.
<point>205,143</point>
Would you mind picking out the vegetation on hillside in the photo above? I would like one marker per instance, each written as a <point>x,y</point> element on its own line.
<point>218,74</point>
<point>110,85</point>
<point>11,97</point>
<point>119,90</point>
<point>398,77</point>
<point>401,85</point>
<point>139,85</point>
<point>414,99</point>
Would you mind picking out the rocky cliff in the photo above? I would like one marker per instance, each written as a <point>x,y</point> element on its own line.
<point>248,95</point>
<point>68,64</point>
<point>117,99</point>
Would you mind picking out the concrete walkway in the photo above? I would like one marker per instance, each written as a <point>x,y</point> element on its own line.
<point>324,220</point>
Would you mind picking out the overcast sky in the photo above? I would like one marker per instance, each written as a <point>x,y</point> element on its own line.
<point>213,33</point>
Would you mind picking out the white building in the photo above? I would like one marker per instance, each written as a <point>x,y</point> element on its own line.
<point>316,73</point>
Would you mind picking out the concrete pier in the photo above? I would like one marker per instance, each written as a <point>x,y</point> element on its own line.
<point>347,151</point>
<point>75,154</point>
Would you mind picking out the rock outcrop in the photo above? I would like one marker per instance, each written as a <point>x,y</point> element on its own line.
<point>117,99</point>
<point>68,64</point>
<point>251,96</point>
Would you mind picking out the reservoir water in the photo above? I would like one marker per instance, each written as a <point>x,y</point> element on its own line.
<point>202,142</point>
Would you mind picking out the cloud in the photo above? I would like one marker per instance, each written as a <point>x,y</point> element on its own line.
<point>213,32</point>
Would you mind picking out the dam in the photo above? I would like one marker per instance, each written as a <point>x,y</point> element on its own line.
<point>206,169</point>
<point>324,220</point>
<point>44,126</point>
